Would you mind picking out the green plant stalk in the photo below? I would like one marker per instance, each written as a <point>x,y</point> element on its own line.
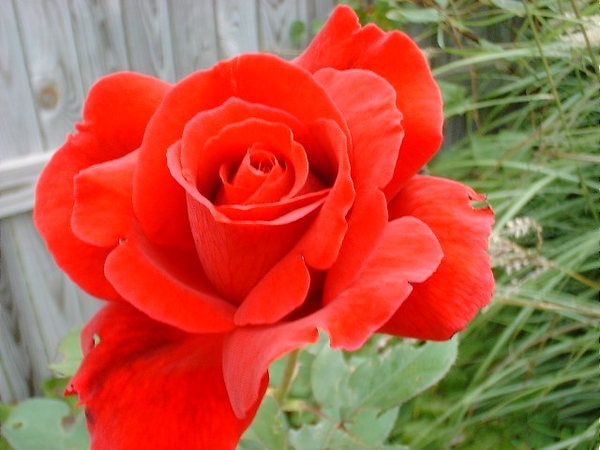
<point>586,38</point>
<point>288,376</point>
<point>549,76</point>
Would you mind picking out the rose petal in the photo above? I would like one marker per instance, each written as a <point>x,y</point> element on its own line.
<point>168,285</point>
<point>408,252</point>
<point>147,382</point>
<point>277,293</point>
<point>448,300</point>
<point>321,243</point>
<point>202,159</point>
<point>115,115</point>
<point>366,224</point>
<point>249,351</point>
<point>118,108</point>
<point>208,123</point>
<point>256,78</point>
<point>237,255</point>
<point>278,213</point>
<point>318,248</point>
<point>102,213</point>
<point>368,103</point>
<point>261,177</point>
<point>342,44</point>
<point>231,249</point>
<point>231,115</point>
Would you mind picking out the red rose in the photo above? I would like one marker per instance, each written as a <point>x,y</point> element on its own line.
<point>229,216</point>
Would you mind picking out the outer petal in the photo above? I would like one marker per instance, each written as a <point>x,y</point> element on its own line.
<point>168,284</point>
<point>366,224</point>
<point>463,283</point>
<point>118,109</point>
<point>368,103</point>
<point>283,289</point>
<point>102,213</point>
<point>249,351</point>
<point>147,384</point>
<point>115,115</point>
<point>343,44</point>
<point>408,252</point>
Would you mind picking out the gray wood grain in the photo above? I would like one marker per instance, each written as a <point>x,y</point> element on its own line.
<point>20,133</point>
<point>276,18</point>
<point>99,38</point>
<point>194,36</point>
<point>54,74</point>
<point>148,36</point>
<point>44,305</point>
<point>237,27</point>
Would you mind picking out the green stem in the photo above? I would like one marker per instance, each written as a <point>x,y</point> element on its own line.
<point>586,38</point>
<point>288,376</point>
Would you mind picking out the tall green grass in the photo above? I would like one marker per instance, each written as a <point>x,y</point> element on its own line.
<point>521,85</point>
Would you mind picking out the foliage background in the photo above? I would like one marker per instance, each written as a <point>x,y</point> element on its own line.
<point>521,85</point>
<point>522,80</point>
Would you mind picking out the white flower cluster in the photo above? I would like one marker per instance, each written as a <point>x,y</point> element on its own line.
<point>514,257</point>
<point>585,31</point>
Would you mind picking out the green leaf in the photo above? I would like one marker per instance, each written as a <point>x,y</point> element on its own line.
<point>328,435</point>
<point>372,426</point>
<point>70,349</point>
<point>415,15</point>
<point>4,444</point>
<point>329,377</point>
<point>297,32</point>
<point>269,430</point>
<point>455,98</point>
<point>402,373</point>
<point>47,424</point>
<point>512,6</point>
<point>4,411</point>
<point>314,437</point>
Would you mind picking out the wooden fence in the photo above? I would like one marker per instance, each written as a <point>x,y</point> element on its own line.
<point>51,51</point>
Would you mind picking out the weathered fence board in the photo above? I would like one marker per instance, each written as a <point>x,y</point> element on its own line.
<point>53,67</point>
<point>148,37</point>
<point>237,27</point>
<point>43,300</point>
<point>51,51</point>
<point>276,18</point>
<point>100,38</point>
<point>19,128</point>
<point>193,36</point>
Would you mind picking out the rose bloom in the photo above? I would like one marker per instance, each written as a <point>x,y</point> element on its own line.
<point>228,217</point>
